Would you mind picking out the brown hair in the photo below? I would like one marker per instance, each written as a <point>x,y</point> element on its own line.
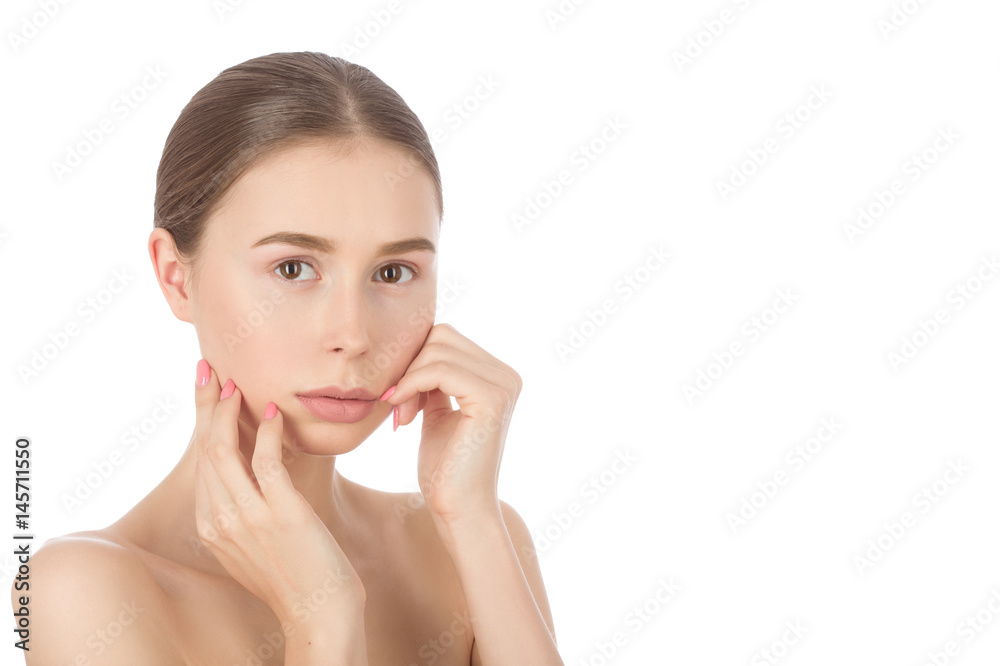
<point>266,103</point>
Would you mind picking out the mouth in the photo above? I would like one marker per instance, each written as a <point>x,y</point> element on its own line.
<point>339,393</point>
<point>336,405</point>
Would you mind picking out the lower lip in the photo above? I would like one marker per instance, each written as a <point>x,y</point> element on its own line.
<point>337,411</point>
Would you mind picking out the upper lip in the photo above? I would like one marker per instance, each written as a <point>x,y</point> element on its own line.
<point>342,394</point>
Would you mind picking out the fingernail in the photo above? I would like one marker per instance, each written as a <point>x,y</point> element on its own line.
<point>395,417</point>
<point>386,395</point>
<point>271,410</point>
<point>204,372</point>
<point>228,389</point>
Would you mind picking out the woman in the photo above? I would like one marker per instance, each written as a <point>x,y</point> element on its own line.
<point>297,214</point>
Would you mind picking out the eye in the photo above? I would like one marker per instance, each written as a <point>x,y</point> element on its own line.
<point>293,275</point>
<point>393,273</point>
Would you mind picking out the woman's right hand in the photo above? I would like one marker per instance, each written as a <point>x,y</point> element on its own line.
<point>264,532</point>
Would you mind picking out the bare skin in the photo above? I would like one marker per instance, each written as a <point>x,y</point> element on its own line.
<point>254,549</point>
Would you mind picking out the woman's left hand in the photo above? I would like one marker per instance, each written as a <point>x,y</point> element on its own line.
<point>458,463</point>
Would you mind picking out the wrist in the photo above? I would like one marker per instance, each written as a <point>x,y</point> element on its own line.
<point>472,512</point>
<point>456,528</point>
<point>324,639</point>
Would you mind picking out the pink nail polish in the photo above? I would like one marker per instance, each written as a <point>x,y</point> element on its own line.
<point>228,389</point>
<point>395,417</point>
<point>204,372</point>
<point>271,410</point>
<point>385,396</point>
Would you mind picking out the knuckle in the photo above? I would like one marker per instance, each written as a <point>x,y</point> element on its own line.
<point>215,452</point>
<point>226,527</point>
<point>265,469</point>
<point>203,400</point>
<point>440,365</point>
<point>207,532</point>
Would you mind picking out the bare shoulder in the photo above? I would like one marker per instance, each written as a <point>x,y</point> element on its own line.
<point>527,555</point>
<point>93,601</point>
<point>424,549</point>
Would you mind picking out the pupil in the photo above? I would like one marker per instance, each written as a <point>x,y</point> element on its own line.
<point>391,273</point>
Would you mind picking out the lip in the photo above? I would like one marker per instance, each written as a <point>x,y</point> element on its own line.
<point>337,392</point>
<point>336,410</point>
<point>337,405</point>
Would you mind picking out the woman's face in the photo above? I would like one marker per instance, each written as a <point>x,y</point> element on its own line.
<point>318,270</point>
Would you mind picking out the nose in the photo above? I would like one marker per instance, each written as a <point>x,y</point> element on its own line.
<point>344,319</point>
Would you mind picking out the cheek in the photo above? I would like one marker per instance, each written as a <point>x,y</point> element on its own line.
<point>236,325</point>
<point>401,338</point>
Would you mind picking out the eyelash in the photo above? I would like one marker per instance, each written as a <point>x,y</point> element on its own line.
<point>413,270</point>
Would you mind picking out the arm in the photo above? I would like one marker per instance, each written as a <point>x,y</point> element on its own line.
<point>267,536</point>
<point>458,464</point>
<point>498,569</point>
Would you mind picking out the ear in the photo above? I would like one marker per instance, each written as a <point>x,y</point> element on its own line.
<point>172,275</point>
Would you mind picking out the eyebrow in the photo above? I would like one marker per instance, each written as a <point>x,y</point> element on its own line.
<point>321,244</point>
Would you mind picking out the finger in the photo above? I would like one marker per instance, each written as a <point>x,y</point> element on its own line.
<point>493,385</point>
<point>475,395</point>
<point>205,399</point>
<point>215,512</point>
<point>213,503</point>
<point>224,451</point>
<point>272,476</point>
<point>445,334</point>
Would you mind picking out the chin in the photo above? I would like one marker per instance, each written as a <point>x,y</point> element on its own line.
<point>322,438</point>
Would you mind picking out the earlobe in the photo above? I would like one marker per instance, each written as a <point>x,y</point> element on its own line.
<point>171,274</point>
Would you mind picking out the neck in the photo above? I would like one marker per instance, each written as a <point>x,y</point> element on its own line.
<point>164,521</point>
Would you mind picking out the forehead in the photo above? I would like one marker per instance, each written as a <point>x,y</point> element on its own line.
<point>364,190</point>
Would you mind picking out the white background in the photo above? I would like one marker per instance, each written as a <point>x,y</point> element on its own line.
<point>686,126</point>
